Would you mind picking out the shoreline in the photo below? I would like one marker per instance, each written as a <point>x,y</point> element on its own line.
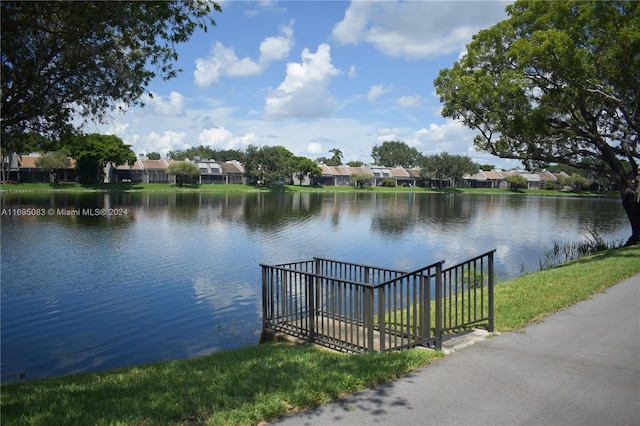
<point>26,188</point>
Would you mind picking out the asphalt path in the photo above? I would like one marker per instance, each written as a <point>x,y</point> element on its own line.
<point>580,366</point>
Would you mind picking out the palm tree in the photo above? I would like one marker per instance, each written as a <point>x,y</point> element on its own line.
<point>336,160</point>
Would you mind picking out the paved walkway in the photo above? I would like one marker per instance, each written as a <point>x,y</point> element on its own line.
<point>580,366</point>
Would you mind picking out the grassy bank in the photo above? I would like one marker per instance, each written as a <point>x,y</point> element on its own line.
<point>264,382</point>
<point>163,187</point>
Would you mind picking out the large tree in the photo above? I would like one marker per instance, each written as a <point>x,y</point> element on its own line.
<point>64,59</point>
<point>445,166</point>
<point>395,153</point>
<point>556,82</point>
<point>93,152</point>
<point>269,164</point>
<point>306,167</point>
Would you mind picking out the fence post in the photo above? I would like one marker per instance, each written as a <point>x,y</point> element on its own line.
<point>438,333</point>
<point>265,299</point>
<point>491,282</point>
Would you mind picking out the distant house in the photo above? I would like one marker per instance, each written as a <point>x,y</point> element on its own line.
<point>496,179</point>
<point>416,177</point>
<point>125,173</point>
<point>401,176</point>
<point>154,171</point>
<point>485,179</point>
<point>335,175</point>
<point>234,172</point>
<point>363,171</point>
<point>210,171</point>
<point>380,173</point>
<point>533,179</point>
<point>23,169</point>
<point>142,171</point>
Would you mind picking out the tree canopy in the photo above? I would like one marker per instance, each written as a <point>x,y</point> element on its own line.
<point>183,172</point>
<point>306,167</point>
<point>446,166</point>
<point>208,153</point>
<point>93,152</point>
<point>54,161</point>
<point>395,153</point>
<point>556,82</point>
<point>63,59</point>
<point>269,164</point>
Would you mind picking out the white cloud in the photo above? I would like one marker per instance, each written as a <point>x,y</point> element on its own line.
<point>376,91</point>
<point>416,29</point>
<point>174,106</point>
<point>315,148</point>
<point>221,138</point>
<point>410,101</point>
<point>386,134</point>
<point>277,48</point>
<point>223,61</point>
<point>353,72</point>
<point>154,142</point>
<point>303,93</point>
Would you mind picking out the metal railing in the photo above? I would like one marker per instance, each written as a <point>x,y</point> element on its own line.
<point>362,308</point>
<point>467,294</point>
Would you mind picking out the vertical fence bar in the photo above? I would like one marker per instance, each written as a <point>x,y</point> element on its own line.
<point>368,317</point>
<point>425,308</point>
<point>311,298</point>
<point>381,316</point>
<point>265,297</point>
<point>439,301</point>
<point>491,284</point>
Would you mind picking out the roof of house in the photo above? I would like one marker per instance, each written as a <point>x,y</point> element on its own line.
<point>493,174</point>
<point>380,171</point>
<point>136,166</point>
<point>399,172</point>
<point>232,167</point>
<point>341,170</point>
<point>547,176</point>
<point>29,162</point>
<point>360,170</point>
<point>415,173</point>
<point>154,164</point>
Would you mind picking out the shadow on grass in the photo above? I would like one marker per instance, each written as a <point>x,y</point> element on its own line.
<point>236,387</point>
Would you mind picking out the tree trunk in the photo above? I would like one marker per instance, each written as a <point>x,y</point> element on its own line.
<point>631,206</point>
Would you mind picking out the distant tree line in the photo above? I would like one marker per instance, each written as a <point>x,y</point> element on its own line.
<point>265,165</point>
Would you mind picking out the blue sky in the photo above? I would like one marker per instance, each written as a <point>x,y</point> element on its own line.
<point>313,76</point>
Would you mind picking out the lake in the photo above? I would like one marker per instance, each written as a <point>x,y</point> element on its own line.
<point>158,276</point>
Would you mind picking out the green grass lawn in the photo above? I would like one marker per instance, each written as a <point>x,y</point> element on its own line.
<point>264,382</point>
<point>164,187</point>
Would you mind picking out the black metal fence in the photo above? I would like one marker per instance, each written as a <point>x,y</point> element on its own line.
<point>362,308</point>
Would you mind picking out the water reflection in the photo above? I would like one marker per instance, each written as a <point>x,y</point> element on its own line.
<point>179,276</point>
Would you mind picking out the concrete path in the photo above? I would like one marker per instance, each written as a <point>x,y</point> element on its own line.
<point>580,366</point>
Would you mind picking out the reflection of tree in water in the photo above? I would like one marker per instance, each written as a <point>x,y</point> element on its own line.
<point>397,214</point>
<point>272,210</point>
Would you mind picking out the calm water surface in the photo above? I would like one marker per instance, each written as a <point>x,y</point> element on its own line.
<point>178,275</point>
